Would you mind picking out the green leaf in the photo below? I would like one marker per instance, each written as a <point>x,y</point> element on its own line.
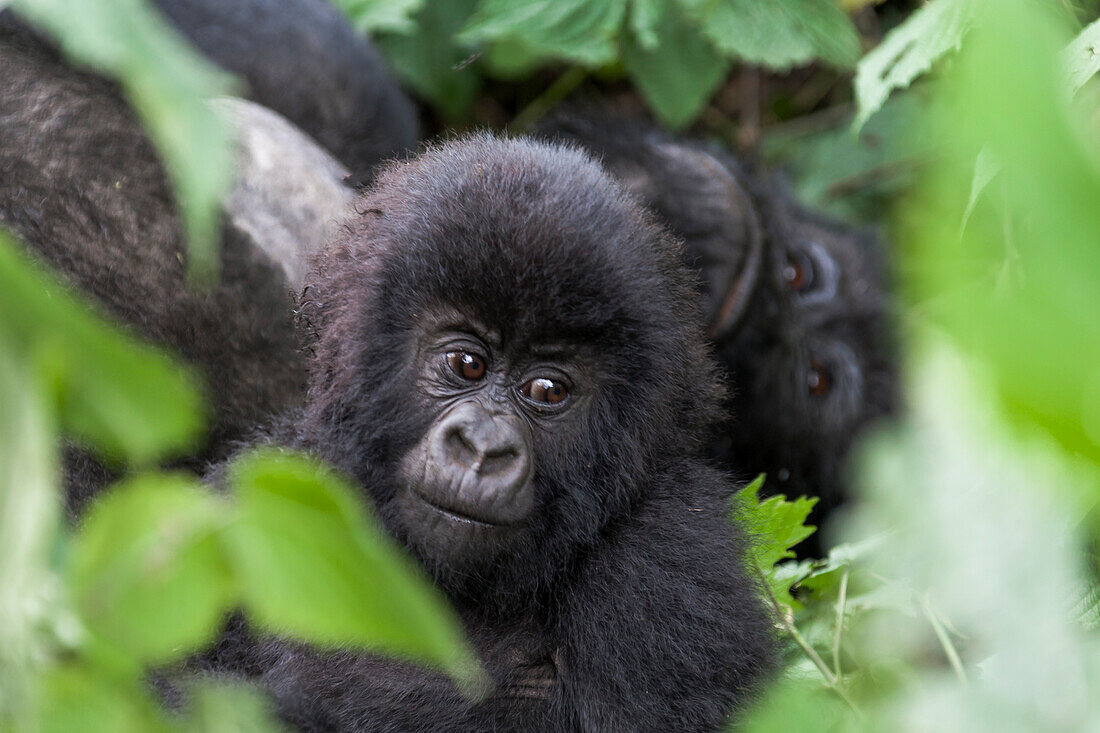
<point>908,51</point>
<point>1082,56</point>
<point>430,62</point>
<point>778,33</point>
<point>1018,289</point>
<point>644,16</point>
<point>382,15</point>
<point>148,571</point>
<point>775,526</point>
<point>679,72</point>
<point>29,514</point>
<point>582,31</point>
<point>126,398</point>
<point>76,698</point>
<point>166,81</point>
<point>312,564</point>
<point>229,708</point>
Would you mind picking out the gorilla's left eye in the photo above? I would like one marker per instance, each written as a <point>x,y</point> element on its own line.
<point>818,380</point>
<point>466,365</point>
<point>544,391</point>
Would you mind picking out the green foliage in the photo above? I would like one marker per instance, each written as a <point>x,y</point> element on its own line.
<point>148,574</point>
<point>427,60</point>
<point>125,398</point>
<point>311,565</point>
<point>381,15</point>
<point>775,526</point>
<point>167,82</point>
<point>676,52</point>
<point>909,51</point>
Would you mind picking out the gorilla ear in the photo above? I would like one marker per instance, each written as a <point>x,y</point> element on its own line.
<point>725,239</point>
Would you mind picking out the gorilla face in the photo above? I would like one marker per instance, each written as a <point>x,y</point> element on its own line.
<point>508,349</point>
<point>466,488</point>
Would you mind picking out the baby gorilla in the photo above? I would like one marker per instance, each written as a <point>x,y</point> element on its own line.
<point>510,364</point>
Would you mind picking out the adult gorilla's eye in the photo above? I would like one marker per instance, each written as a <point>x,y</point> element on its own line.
<point>544,391</point>
<point>798,272</point>
<point>818,380</point>
<point>466,365</point>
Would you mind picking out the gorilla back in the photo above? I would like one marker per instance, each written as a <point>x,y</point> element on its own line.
<point>510,363</point>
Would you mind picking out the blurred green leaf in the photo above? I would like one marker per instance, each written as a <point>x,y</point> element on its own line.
<point>778,34</point>
<point>229,708</point>
<point>166,81</point>
<point>382,15</point>
<point>148,571</point>
<point>76,698</point>
<point>29,513</point>
<point>1082,56</point>
<point>908,51</point>
<point>311,563</point>
<point>1018,292</point>
<point>126,398</point>
<point>775,526</point>
<point>644,16</point>
<point>583,31</point>
<point>679,72</point>
<point>795,705</point>
<point>428,59</point>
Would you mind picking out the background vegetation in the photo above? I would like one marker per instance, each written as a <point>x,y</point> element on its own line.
<point>960,592</point>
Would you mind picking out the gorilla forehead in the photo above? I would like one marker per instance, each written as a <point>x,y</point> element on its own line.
<point>529,236</point>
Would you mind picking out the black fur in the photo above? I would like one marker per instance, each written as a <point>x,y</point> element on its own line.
<point>739,228</point>
<point>81,184</point>
<point>303,59</point>
<point>626,604</point>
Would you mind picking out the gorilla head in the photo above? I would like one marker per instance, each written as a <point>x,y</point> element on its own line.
<point>507,354</point>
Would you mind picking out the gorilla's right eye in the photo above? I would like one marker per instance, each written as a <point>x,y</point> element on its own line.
<point>798,272</point>
<point>466,365</point>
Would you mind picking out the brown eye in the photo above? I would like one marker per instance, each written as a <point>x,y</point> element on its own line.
<point>544,391</point>
<point>798,272</point>
<point>466,365</point>
<point>818,380</point>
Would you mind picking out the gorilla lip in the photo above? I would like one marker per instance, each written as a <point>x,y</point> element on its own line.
<point>456,516</point>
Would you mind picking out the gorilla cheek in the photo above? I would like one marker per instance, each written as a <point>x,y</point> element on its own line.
<point>465,490</point>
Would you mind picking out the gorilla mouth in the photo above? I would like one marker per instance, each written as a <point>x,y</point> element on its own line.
<point>455,515</point>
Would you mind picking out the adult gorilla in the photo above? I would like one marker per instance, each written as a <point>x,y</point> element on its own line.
<point>510,366</point>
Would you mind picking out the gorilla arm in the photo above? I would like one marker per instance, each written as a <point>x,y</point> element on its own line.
<point>661,629</point>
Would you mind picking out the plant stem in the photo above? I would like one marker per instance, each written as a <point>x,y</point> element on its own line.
<point>556,92</point>
<point>832,681</point>
<point>945,640</point>
<point>840,603</point>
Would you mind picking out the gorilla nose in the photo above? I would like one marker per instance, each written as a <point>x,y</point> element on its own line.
<point>486,444</point>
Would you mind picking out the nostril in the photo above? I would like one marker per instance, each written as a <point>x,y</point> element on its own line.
<point>461,446</point>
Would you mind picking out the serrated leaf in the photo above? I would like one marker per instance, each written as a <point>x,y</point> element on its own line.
<point>778,33</point>
<point>582,31</point>
<point>148,572</point>
<point>369,16</point>
<point>775,526</point>
<point>166,81</point>
<point>679,73</point>
<point>1082,56</point>
<point>908,51</point>
<point>313,564</point>
<point>125,398</point>
<point>430,62</point>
